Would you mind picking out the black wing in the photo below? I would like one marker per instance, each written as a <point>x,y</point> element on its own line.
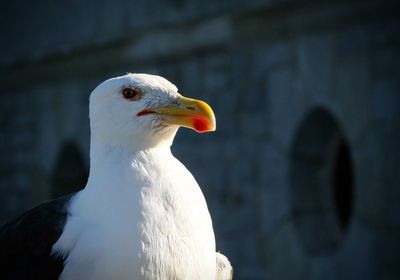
<point>26,242</point>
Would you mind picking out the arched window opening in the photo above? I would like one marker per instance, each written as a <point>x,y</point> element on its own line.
<point>70,172</point>
<point>321,183</point>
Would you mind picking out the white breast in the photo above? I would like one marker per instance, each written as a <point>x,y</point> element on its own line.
<point>147,219</point>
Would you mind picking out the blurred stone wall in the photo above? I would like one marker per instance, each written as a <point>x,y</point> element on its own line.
<point>301,176</point>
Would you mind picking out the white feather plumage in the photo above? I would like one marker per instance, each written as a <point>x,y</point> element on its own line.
<point>141,215</point>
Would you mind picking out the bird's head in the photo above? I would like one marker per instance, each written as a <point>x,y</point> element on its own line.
<point>142,108</point>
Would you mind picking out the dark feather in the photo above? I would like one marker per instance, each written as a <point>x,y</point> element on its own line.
<point>26,242</point>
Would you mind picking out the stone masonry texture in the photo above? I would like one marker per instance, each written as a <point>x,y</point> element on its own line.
<point>303,91</point>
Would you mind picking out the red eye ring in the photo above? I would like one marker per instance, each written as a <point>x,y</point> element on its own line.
<point>131,94</point>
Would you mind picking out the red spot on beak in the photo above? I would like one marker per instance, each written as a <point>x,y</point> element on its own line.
<point>200,123</point>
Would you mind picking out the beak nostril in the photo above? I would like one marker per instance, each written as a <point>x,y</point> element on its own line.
<point>191,108</point>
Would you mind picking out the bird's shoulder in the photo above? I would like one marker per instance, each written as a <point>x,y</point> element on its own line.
<point>26,242</point>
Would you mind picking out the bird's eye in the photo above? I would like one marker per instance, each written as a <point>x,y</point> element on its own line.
<point>131,94</point>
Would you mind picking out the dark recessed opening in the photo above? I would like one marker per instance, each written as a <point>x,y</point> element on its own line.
<point>343,185</point>
<point>321,183</point>
<point>70,172</point>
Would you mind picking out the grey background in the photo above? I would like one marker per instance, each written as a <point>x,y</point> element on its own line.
<point>302,176</point>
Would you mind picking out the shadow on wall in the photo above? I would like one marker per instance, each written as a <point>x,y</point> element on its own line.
<point>70,172</point>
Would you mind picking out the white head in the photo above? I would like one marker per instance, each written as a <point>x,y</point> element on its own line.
<point>141,111</point>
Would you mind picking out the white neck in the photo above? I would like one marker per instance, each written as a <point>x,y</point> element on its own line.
<point>108,159</point>
<point>109,152</point>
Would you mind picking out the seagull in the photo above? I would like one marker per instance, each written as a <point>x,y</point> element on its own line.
<point>141,215</point>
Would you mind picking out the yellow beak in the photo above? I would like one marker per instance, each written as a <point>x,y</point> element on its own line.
<point>191,113</point>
